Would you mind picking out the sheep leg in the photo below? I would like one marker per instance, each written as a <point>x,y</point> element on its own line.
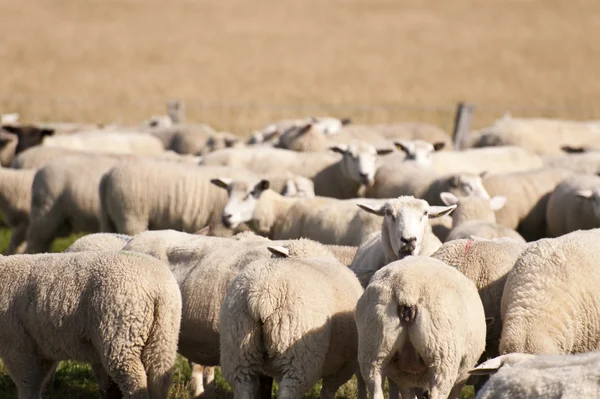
<point>407,393</point>
<point>441,385</point>
<point>393,390</point>
<point>266,387</point>
<point>197,379</point>
<point>30,375</point>
<point>127,371</point>
<point>332,383</point>
<point>458,386</point>
<point>17,239</point>
<point>248,388</point>
<point>293,387</point>
<point>202,382</point>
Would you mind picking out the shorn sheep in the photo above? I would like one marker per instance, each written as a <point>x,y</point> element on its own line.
<point>421,324</point>
<point>119,311</point>
<point>292,319</point>
<point>405,231</point>
<point>551,299</point>
<point>519,375</point>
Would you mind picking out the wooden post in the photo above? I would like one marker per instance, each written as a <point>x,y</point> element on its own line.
<point>462,123</point>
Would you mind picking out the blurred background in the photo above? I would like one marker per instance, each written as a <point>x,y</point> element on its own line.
<point>240,64</point>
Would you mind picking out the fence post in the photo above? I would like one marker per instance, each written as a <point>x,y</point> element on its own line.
<point>462,123</point>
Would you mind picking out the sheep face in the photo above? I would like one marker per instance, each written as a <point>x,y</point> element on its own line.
<point>466,185</point>
<point>242,200</point>
<point>359,161</point>
<point>593,196</point>
<point>418,150</point>
<point>405,222</point>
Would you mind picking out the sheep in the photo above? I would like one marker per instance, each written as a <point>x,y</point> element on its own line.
<point>28,135</point>
<point>418,150</point>
<point>204,268</point>
<point>551,296</point>
<point>99,242</point>
<point>542,136</point>
<point>219,141</point>
<point>574,205</point>
<point>119,311</point>
<point>474,216</point>
<point>491,160</point>
<point>342,177</point>
<point>327,220</point>
<point>400,177</point>
<point>421,323</point>
<point>325,125</point>
<point>404,231</point>
<point>527,196</point>
<point>64,199</point>
<point>292,319</point>
<point>15,204</point>
<point>486,263</point>
<point>579,162</point>
<point>108,142</point>
<point>522,375</point>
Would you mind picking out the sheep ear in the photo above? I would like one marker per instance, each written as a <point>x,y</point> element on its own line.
<point>572,150</point>
<point>340,148</point>
<point>263,185</point>
<point>384,151</point>
<point>203,231</point>
<point>346,121</point>
<point>230,142</point>
<point>279,252</point>
<point>497,202</point>
<point>448,198</point>
<point>483,174</point>
<point>375,211</point>
<point>587,194</point>
<point>402,146</point>
<point>439,211</point>
<point>487,367</point>
<point>306,127</point>
<point>438,146</point>
<point>222,182</point>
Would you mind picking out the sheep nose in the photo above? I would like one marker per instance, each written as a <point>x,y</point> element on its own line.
<point>364,178</point>
<point>407,247</point>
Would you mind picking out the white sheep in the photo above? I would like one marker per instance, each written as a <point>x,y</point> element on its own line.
<point>333,176</point>
<point>15,204</point>
<point>486,263</point>
<point>491,159</point>
<point>99,242</point>
<point>475,216</point>
<point>405,231</point>
<point>574,205</point>
<point>397,131</point>
<point>292,319</point>
<point>327,220</point>
<point>551,296</point>
<point>421,324</point>
<point>64,199</point>
<point>543,136</point>
<point>397,176</point>
<point>520,375</point>
<point>108,142</point>
<point>418,150</point>
<point>204,268</point>
<point>119,311</point>
<point>527,196</point>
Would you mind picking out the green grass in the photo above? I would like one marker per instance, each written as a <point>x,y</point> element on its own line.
<point>76,380</point>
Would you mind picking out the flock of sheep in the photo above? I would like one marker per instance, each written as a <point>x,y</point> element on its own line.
<point>317,250</point>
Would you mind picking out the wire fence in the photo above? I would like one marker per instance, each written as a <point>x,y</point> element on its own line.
<point>242,117</point>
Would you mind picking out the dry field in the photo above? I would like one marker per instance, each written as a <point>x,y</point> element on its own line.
<point>239,64</point>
